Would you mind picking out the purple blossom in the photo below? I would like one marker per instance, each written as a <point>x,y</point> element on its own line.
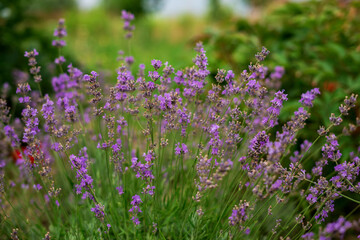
<point>239,214</point>
<point>308,97</point>
<point>274,109</point>
<point>229,76</point>
<point>260,56</point>
<point>276,185</point>
<point>60,33</point>
<point>347,170</point>
<point>57,147</point>
<point>179,77</point>
<point>337,228</point>
<point>80,164</point>
<point>23,88</point>
<point>144,170</point>
<point>308,236</point>
<point>311,199</point>
<point>127,17</point>
<point>98,210</point>
<point>60,60</point>
<point>31,124</point>
<point>120,190</point>
<point>258,143</point>
<point>335,120</point>
<point>10,133</point>
<point>135,210</point>
<point>129,60</point>
<point>31,54</point>
<point>181,149</point>
<point>37,187</point>
<point>278,72</point>
<point>48,113</point>
<point>156,64</point>
<point>330,149</point>
<point>154,75</point>
<point>252,85</point>
<point>59,43</point>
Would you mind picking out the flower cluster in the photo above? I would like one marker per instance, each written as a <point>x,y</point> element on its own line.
<point>34,70</point>
<point>181,149</point>
<point>60,33</point>
<point>80,164</point>
<point>135,209</point>
<point>144,171</point>
<point>239,214</point>
<point>128,17</point>
<point>173,139</point>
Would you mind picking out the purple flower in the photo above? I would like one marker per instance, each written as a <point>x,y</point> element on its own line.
<point>278,72</point>
<point>258,143</point>
<point>252,85</point>
<point>10,133</point>
<point>135,210</point>
<point>181,149</point>
<point>31,124</point>
<point>239,214</point>
<point>59,32</point>
<point>230,76</point>
<point>311,199</point>
<point>154,75</point>
<point>148,190</point>
<point>260,56</point>
<point>57,147</point>
<point>156,64</point>
<point>337,228</point>
<point>23,88</point>
<point>308,236</point>
<point>98,210</point>
<point>80,164</point>
<point>127,17</point>
<point>274,110</point>
<point>48,112</point>
<point>129,60</point>
<point>335,120</point>
<point>179,77</point>
<point>330,149</point>
<point>308,97</point>
<point>37,187</point>
<point>58,43</point>
<point>120,190</point>
<point>347,170</point>
<point>276,185</point>
<point>60,60</point>
<point>31,54</point>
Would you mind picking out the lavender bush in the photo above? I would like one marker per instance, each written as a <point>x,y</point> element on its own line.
<point>170,154</point>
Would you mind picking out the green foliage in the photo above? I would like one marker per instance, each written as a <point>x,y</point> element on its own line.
<point>18,34</point>
<point>318,43</point>
<point>47,6</point>
<point>97,36</point>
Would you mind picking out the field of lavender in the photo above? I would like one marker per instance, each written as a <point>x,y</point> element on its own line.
<point>168,153</point>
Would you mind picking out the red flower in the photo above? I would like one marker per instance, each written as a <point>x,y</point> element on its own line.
<point>17,155</point>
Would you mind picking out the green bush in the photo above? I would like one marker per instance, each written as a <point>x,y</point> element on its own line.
<point>317,42</point>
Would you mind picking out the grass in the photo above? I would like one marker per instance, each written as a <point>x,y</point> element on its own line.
<point>95,37</point>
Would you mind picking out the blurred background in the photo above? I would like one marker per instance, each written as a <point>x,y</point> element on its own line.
<point>317,42</point>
